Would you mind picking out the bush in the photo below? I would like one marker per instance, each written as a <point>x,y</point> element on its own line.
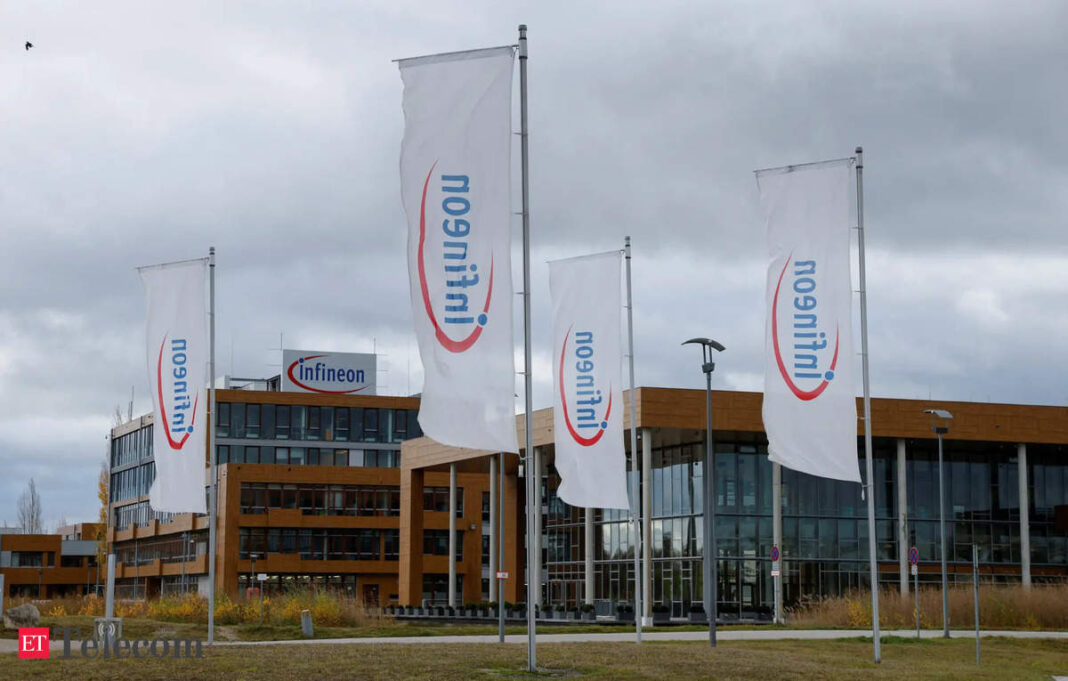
<point>697,607</point>
<point>587,607</point>
<point>1000,607</point>
<point>661,608</point>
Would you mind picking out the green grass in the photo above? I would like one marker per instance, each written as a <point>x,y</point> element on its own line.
<point>903,660</point>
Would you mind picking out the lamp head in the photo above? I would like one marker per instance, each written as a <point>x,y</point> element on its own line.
<point>939,428</point>
<point>706,342</point>
<point>940,413</point>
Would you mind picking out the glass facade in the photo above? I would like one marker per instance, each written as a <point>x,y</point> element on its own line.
<point>825,529</point>
<point>335,500</point>
<point>320,544</point>
<point>238,420</point>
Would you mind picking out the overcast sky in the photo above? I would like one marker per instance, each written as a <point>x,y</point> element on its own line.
<point>135,133</point>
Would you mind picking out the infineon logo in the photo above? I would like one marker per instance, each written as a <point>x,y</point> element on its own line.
<point>331,373</point>
<point>461,320</point>
<point>587,426</point>
<point>802,345</point>
<point>177,403</point>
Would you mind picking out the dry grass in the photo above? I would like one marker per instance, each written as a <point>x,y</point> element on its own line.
<point>786,660</point>
<point>1000,607</point>
<point>327,609</point>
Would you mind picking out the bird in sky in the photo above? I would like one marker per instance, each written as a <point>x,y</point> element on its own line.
<point>28,45</point>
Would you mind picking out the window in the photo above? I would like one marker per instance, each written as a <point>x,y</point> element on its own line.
<point>392,544</point>
<point>400,425</point>
<point>436,543</point>
<point>252,454</point>
<point>237,419</point>
<point>341,424</point>
<point>222,455</point>
<point>281,422</point>
<point>252,421</point>
<point>437,499</point>
<point>370,425</point>
<point>223,429</point>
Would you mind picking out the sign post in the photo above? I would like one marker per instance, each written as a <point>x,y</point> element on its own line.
<point>776,575</point>
<point>261,578</point>
<point>914,559</point>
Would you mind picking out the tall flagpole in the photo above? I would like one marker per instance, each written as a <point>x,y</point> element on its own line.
<point>635,501</point>
<point>867,411</point>
<point>213,494</point>
<point>532,589</point>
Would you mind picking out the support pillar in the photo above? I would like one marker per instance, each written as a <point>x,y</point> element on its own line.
<point>776,531</point>
<point>1025,510</point>
<point>410,577</point>
<point>902,517</point>
<point>452,535</point>
<point>492,596</point>
<point>647,526</point>
<point>588,590</point>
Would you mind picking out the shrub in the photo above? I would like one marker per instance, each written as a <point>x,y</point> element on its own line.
<point>1000,607</point>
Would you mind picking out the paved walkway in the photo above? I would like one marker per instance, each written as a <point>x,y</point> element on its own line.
<point>724,635</point>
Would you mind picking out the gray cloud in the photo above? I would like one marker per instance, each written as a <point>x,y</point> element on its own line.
<point>137,133</point>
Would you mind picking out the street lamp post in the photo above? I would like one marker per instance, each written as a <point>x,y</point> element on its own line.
<point>252,572</point>
<point>710,565</point>
<point>940,428</point>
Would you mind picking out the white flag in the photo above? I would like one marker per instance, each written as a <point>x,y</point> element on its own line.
<point>587,376</point>
<point>455,164</point>
<point>810,409</point>
<point>177,340</point>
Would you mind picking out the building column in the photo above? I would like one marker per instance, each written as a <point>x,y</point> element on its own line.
<point>493,529</point>
<point>452,535</point>
<point>776,531</point>
<point>647,524</point>
<point>588,591</point>
<point>902,517</point>
<point>1025,510</point>
<point>410,577</point>
<point>535,541</point>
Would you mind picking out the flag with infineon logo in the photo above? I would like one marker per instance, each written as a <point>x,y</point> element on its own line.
<point>587,379</point>
<point>810,410</point>
<point>455,185</point>
<point>177,345</point>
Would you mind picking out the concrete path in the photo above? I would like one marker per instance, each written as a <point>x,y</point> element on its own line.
<point>724,635</point>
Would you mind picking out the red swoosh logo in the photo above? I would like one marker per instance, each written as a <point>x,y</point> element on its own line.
<point>584,441</point>
<point>317,390</point>
<point>448,343</point>
<point>163,407</point>
<point>801,394</point>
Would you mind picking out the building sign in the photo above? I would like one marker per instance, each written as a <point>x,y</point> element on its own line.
<point>328,373</point>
